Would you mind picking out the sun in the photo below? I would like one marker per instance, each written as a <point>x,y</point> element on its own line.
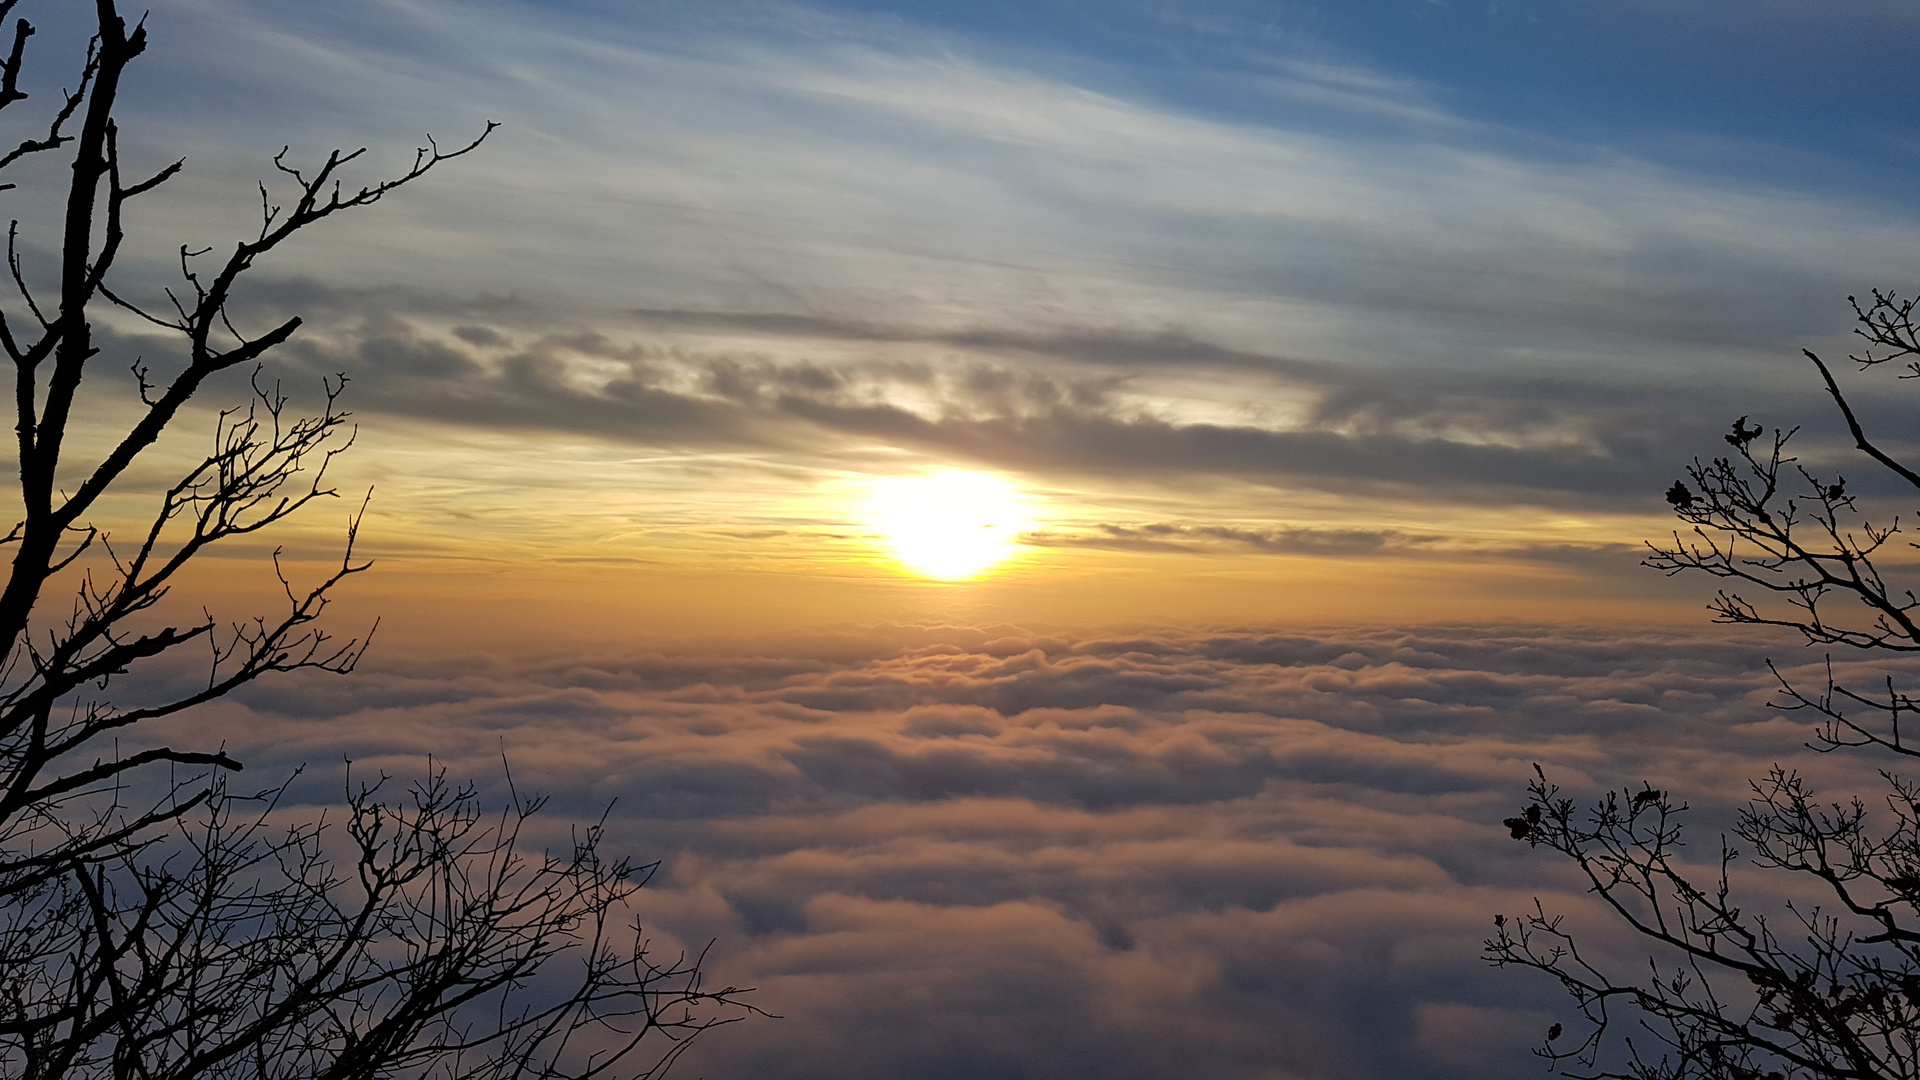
<point>950,525</point>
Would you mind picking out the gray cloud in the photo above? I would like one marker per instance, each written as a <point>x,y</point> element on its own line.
<point>1014,405</point>
<point>1161,536</point>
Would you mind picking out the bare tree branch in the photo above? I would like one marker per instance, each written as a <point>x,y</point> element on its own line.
<point>156,924</point>
<point>1817,992</point>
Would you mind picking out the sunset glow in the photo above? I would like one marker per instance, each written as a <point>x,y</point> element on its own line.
<point>1063,527</point>
<point>950,526</point>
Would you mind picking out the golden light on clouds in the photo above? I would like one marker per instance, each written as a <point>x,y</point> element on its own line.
<point>952,525</point>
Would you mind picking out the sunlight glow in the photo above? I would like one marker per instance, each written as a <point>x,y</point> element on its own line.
<point>951,525</point>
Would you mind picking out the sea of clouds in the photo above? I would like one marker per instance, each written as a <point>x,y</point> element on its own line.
<point>987,853</point>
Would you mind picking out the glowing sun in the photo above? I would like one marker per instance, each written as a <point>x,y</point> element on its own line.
<point>950,525</point>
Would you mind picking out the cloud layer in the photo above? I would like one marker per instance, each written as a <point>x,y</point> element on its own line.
<point>966,853</point>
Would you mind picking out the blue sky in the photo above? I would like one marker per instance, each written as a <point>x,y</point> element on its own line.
<point>1747,90</point>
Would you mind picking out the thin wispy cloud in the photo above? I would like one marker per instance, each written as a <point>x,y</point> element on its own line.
<point>812,196</point>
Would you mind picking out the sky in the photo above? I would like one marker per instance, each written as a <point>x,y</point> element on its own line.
<point>1259,311</point>
<point>1064,525</point>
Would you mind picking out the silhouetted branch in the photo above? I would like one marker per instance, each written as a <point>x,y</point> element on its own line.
<point>154,924</point>
<point>1726,996</point>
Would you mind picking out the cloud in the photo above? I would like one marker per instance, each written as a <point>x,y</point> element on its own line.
<point>978,851</point>
<point>1015,406</point>
<point>1194,538</point>
<point>804,167</point>
<point>844,240</point>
